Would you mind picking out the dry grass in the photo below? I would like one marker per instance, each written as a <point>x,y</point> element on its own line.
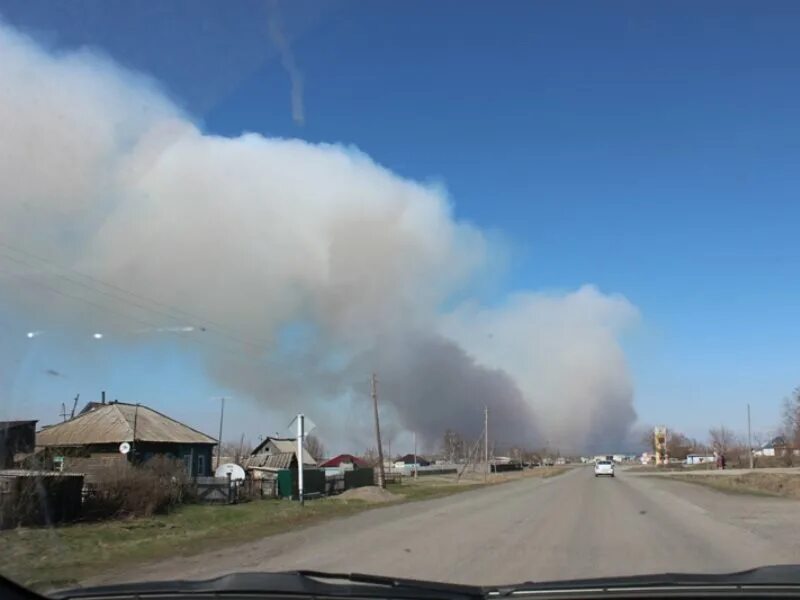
<point>62,556</point>
<point>369,493</point>
<point>675,467</point>
<point>772,484</point>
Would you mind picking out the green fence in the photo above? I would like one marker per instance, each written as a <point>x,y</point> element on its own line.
<point>358,478</point>
<point>313,483</point>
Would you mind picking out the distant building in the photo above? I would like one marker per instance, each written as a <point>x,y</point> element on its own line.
<point>92,440</point>
<point>16,438</point>
<point>777,446</point>
<point>699,459</point>
<point>344,461</point>
<point>409,459</point>
<point>277,454</point>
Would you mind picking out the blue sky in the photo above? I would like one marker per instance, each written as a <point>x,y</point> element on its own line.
<point>650,149</point>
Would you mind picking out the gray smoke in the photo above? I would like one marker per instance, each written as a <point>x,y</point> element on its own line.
<point>295,269</point>
<point>434,385</point>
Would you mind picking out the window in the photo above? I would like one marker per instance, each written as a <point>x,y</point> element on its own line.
<point>201,465</point>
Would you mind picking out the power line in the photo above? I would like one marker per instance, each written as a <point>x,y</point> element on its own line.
<point>59,292</point>
<point>165,309</point>
<point>125,315</point>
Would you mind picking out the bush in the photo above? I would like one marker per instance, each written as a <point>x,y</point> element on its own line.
<point>138,491</point>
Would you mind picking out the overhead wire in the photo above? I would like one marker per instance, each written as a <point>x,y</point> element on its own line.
<point>109,309</point>
<point>165,309</point>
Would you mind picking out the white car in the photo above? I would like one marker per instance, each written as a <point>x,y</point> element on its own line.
<point>603,467</point>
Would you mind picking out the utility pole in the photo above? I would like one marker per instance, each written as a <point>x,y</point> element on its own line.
<point>133,441</point>
<point>64,412</point>
<point>240,456</point>
<point>300,435</point>
<point>749,439</point>
<point>381,474</point>
<point>486,440</point>
<point>219,440</point>
<point>415,455</point>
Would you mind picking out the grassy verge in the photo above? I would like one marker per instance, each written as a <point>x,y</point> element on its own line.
<point>761,484</point>
<point>669,468</point>
<point>62,556</point>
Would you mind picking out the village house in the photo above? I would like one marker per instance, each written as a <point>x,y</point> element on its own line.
<point>103,435</point>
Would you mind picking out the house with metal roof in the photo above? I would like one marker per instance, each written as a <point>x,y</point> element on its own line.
<point>107,434</point>
<point>275,454</point>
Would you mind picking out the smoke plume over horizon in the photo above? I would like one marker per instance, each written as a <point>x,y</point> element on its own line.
<point>305,267</point>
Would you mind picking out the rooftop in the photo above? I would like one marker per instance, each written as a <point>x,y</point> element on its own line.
<point>118,422</point>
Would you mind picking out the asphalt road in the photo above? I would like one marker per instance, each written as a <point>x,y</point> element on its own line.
<point>571,526</point>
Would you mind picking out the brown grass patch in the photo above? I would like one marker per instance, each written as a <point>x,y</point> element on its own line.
<point>773,484</point>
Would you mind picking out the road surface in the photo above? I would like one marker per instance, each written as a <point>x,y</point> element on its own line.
<point>570,526</point>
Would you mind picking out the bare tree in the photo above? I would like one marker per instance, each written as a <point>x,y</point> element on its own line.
<point>453,446</point>
<point>315,447</point>
<point>648,441</point>
<point>791,418</point>
<point>723,440</point>
<point>679,446</point>
<point>236,452</point>
<point>370,456</point>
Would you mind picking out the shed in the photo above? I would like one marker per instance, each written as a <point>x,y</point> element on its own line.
<point>16,437</point>
<point>275,445</point>
<point>91,440</point>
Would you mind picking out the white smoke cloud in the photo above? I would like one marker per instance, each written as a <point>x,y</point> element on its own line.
<point>100,172</point>
<point>562,351</point>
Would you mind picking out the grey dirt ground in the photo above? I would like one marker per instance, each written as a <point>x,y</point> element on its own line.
<point>569,526</point>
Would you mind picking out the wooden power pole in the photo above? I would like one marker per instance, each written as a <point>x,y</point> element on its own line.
<point>219,441</point>
<point>486,440</point>
<point>749,439</point>
<point>381,474</point>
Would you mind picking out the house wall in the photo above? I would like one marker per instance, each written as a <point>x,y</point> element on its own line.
<point>93,459</point>
<point>197,458</point>
<point>94,464</point>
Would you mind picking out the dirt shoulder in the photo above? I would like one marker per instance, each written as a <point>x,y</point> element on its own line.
<point>62,556</point>
<point>786,485</point>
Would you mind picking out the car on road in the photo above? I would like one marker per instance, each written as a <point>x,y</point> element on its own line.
<point>603,467</point>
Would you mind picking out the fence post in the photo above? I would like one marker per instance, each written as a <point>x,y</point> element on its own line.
<point>228,476</point>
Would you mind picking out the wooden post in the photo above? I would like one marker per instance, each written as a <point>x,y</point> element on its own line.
<point>219,441</point>
<point>486,440</point>
<point>381,474</point>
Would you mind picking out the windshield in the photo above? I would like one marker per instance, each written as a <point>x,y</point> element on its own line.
<point>378,287</point>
